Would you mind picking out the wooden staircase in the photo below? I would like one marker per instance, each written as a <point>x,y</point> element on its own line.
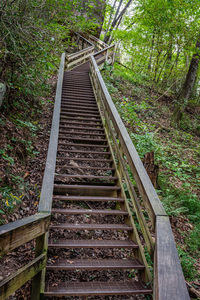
<point>89,215</point>
<point>99,218</point>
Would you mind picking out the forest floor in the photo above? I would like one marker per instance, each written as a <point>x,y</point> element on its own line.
<point>24,143</point>
<point>146,113</point>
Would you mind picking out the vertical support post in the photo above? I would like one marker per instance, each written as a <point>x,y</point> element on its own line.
<point>106,55</point>
<point>38,282</point>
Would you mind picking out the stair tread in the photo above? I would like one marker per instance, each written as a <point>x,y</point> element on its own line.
<point>88,187</point>
<point>70,226</point>
<point>74,211</point>
<point>86,176</point>
<point>67,118</point>
<point>93,244</point>
<point>67,132</point>
<point>81,128</point>
<point>83,139</point>
<point>86,152</point>
<point>82,145</point>
<point>95,264</point>
<point>86,198</point>
<point>97,288</point>
<point>85,159</point>
<point>86,168</point>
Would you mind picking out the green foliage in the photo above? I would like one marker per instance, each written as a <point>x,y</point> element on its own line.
<point>187,263</point>
<point>6,157</point>
<point>34,35</point>
<point>157,40</point>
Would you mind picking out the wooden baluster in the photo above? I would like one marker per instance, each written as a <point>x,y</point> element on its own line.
<point>38,282</point>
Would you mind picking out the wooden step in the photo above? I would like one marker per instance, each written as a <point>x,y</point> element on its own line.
<point>86,140</point>
<point>81,114</point>
<point>95,264</point>
<point>94,244</point>
<point>78,97</point>
<point>85,152</point>
<point>86,94</point>
<point>79,100</point>
<point>77,110</point>
<point>96,122</point>
<point>85,124</point>
<point>83,145</point>
<point>86,198</point>
<point>69,226</point>
<point>80,106</point>
<point>74,211</point>
<point>97,288</point>
<point>72,86</point>
<point>63,133</point>
<point>81,128</point>
<point>87,187</point>
<point>63,168</point>
<point>85,159</point>
<point>89,177</point>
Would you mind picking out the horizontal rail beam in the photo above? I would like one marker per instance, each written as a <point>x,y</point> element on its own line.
<point>72,56</point>
<point>15,234</point>
<point>83,38</point>
<point>48,179</point>
<point>104,50</point>
<point>169,279</point>
<point>13,282</point>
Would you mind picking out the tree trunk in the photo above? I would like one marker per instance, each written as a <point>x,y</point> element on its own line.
<point>151,53</point>
<point>188,86</point>
<point>117,18</point>
<point>110,19</point>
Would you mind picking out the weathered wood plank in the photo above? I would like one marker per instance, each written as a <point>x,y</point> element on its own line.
<point>80,60</point>
<point>72,56</point>
<point>13,282</point>
<point>141,177</point>
<point>48,179</point>
<point>15,234</point>
<point>83,38</point>
<point>169,280</point>
<point>38,282</point>
<point>97,41</point>
<point>104,50</point>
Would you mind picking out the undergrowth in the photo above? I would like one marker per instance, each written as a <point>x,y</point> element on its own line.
<point>146,114</point>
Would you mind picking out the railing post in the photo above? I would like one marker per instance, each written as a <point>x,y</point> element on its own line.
<point>38,282</point>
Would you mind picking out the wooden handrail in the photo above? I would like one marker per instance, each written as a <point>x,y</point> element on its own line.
<point>104,50</point>
<point>83,38</point>
<point>15,234</point>
<point>79,57</point>
<point>13,282</point>
<point>72,56</point>
<point>98,41</point>
<point>169,283</point>
<point>48,179</point>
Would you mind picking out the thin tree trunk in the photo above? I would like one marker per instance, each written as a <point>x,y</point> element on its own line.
<point>110,18</point>
<point>117,17</point>
<point>187,88</point>
<point>111,36</point>
<point>151,53</point>
<point>168,62</point>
